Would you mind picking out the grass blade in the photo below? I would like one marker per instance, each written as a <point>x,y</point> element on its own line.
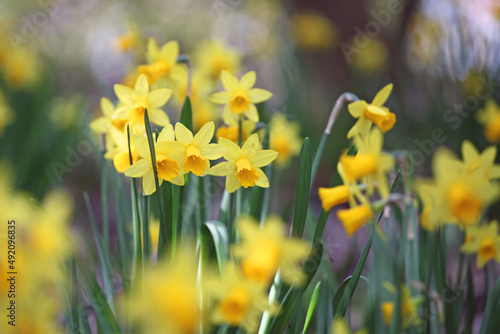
<point>312,306</point>
<point>215,240</point>
<point>187,114</point>
<point>303,190</point>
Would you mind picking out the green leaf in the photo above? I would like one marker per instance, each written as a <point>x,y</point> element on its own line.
<point>303,189</point>
<point>215,240</point>
<point>187,114</point>
<point>351,286</point>
<point>97,300</point>
<point>312,306</point>
<point>323,216</point>
<point>291,298</point>
<point>340,291</point>
<point>491,320</point>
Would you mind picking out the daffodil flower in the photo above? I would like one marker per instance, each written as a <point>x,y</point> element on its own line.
<point>232,132</point>
<point>284,139</point>
<point>490,118</point>
<point>374,113</point>
<point>104,123</point>
<point>168,166</point>
<point>214,56</point>
<point>136,101</point>
<point>263,251</point>
<point>195,152</point>
<point>340,326</point>
<point>483,240</point>
<point>354,218</point>
<point>162,62</point>
<point>370,163</point>
<point>239,300</point>
<point>409,307</point>
<point>239,97</point>
<point>242,168</point>
<point>118,150</point>
<point>484,163</point>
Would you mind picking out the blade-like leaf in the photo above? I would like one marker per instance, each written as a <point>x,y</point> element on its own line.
<point>312,306</point>
<point>303,189</point>
<point>215,240</point>
<point>187,114</point>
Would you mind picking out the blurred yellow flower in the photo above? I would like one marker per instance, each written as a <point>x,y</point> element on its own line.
<point>162,63</point>
<point>314,31</point>
<point>127,41</point>
<point>104,123</point>
<point>264,250</point>
<point>242,168</point>
<point>240,301</point>
<point>284,139</point>
<point>490,118</point>
<point>340,326</point>
<point>22,68</point>
<point>239,97</point>
<point>66,112</point>
<point>374,113</point>
<point>372,57</point>
<point>171,301</point>
<point>118,150</point>
<point>353,219</point>
<point>232,132</point>
<point>334,196</point>
<point>194,152</point>
<point>214,56</point>
<point>409,307</point>
<point>168,166</point>
<point>136,101</point>
<point>6,113</point>
<point>484,163</point>
<point>484,241</point>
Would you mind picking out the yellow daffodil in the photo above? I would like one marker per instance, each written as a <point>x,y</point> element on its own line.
<point>314,31</point>
<point>104,123</point>
<point>204,112</point>
<point>136,101</point>
<point>353,219</point>
<point>284,139</point>
<point>239,97</point>
<point>484,163</point>
<point>171,301</point>
<point>484,241</point>
<point>454,196</point>
<point>409,307</point>
<point>489,117</point>
<point>128,40</point>
<point>242,168</point>
<point>334,196</point>
<point>240,301</point>
<point>213,57</point>
<point>372,58</point>
<point>374,113</point>
<point>340,326</point>
<point>117,149</point>
<point>232,132</point>
<point>195,152</point>
<point>370,163</point>
<point>168,165</point>
<point>263,251</point>
<point>162,62</point>
<point>22,68</point>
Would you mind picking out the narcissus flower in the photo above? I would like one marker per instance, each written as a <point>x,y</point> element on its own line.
<point>162,62</point>
<point>374,113</point>
<point>353,219</point>
<point>370,163</point>
<point>334,196</point>
<point>239,300</point>
<point>195,152</point>
<point>239,97</point>
<point>117,148</point>
<point>314,31</point>
<point>264,250</point>
<point>340,326</point>
<point>484,241</point>
<point>214,57</point>
<point>104,123</point>
<point>372,58</point>
<point>284,139</point>
<point>484,163</point>
<point>168,165</point>
<point>490,118</point>
<point>409,307</point>
<point>242,168</point>
<point>233,132</point>
<point>136,101</point>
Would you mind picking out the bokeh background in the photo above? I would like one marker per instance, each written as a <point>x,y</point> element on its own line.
<point>59,57</point>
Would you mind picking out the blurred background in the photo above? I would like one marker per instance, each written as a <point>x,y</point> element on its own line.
<point>59,57</point>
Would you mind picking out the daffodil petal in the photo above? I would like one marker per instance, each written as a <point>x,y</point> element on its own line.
<point>356,109</point>
<point>251,145</point>
<point>140,168</point>
<point>248,80</point>
<point>159,97</point>
<point>153,51</point>
<point>171,148</point>
<point>263,158</point>
<point>170,51</point>
<point>232,183</point>
<point>142,146</point>
<point>205,135</point>
<point>257,95</point>
<point>233,151</point>
<point>230,118</point>
<point>223,169</point>
<point>229,81</point>
<point>148,183</point>
<point>107,107</point>
<point>382,95</point>
<point>141,87</point>
<point>213,151</point>
<point>263,180</point>
<point>167,134</point>
<point>100,125</point>
<point>158,116</point>
<point>488,155</point>
<point>125,94</point>
<point>220,98</point>
<point>183,134</point>
<point>252,113</point>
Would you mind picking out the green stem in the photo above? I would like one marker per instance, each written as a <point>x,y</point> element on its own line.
<point>180,211</point>
<point>104,201</point>
<point>146,247</point>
